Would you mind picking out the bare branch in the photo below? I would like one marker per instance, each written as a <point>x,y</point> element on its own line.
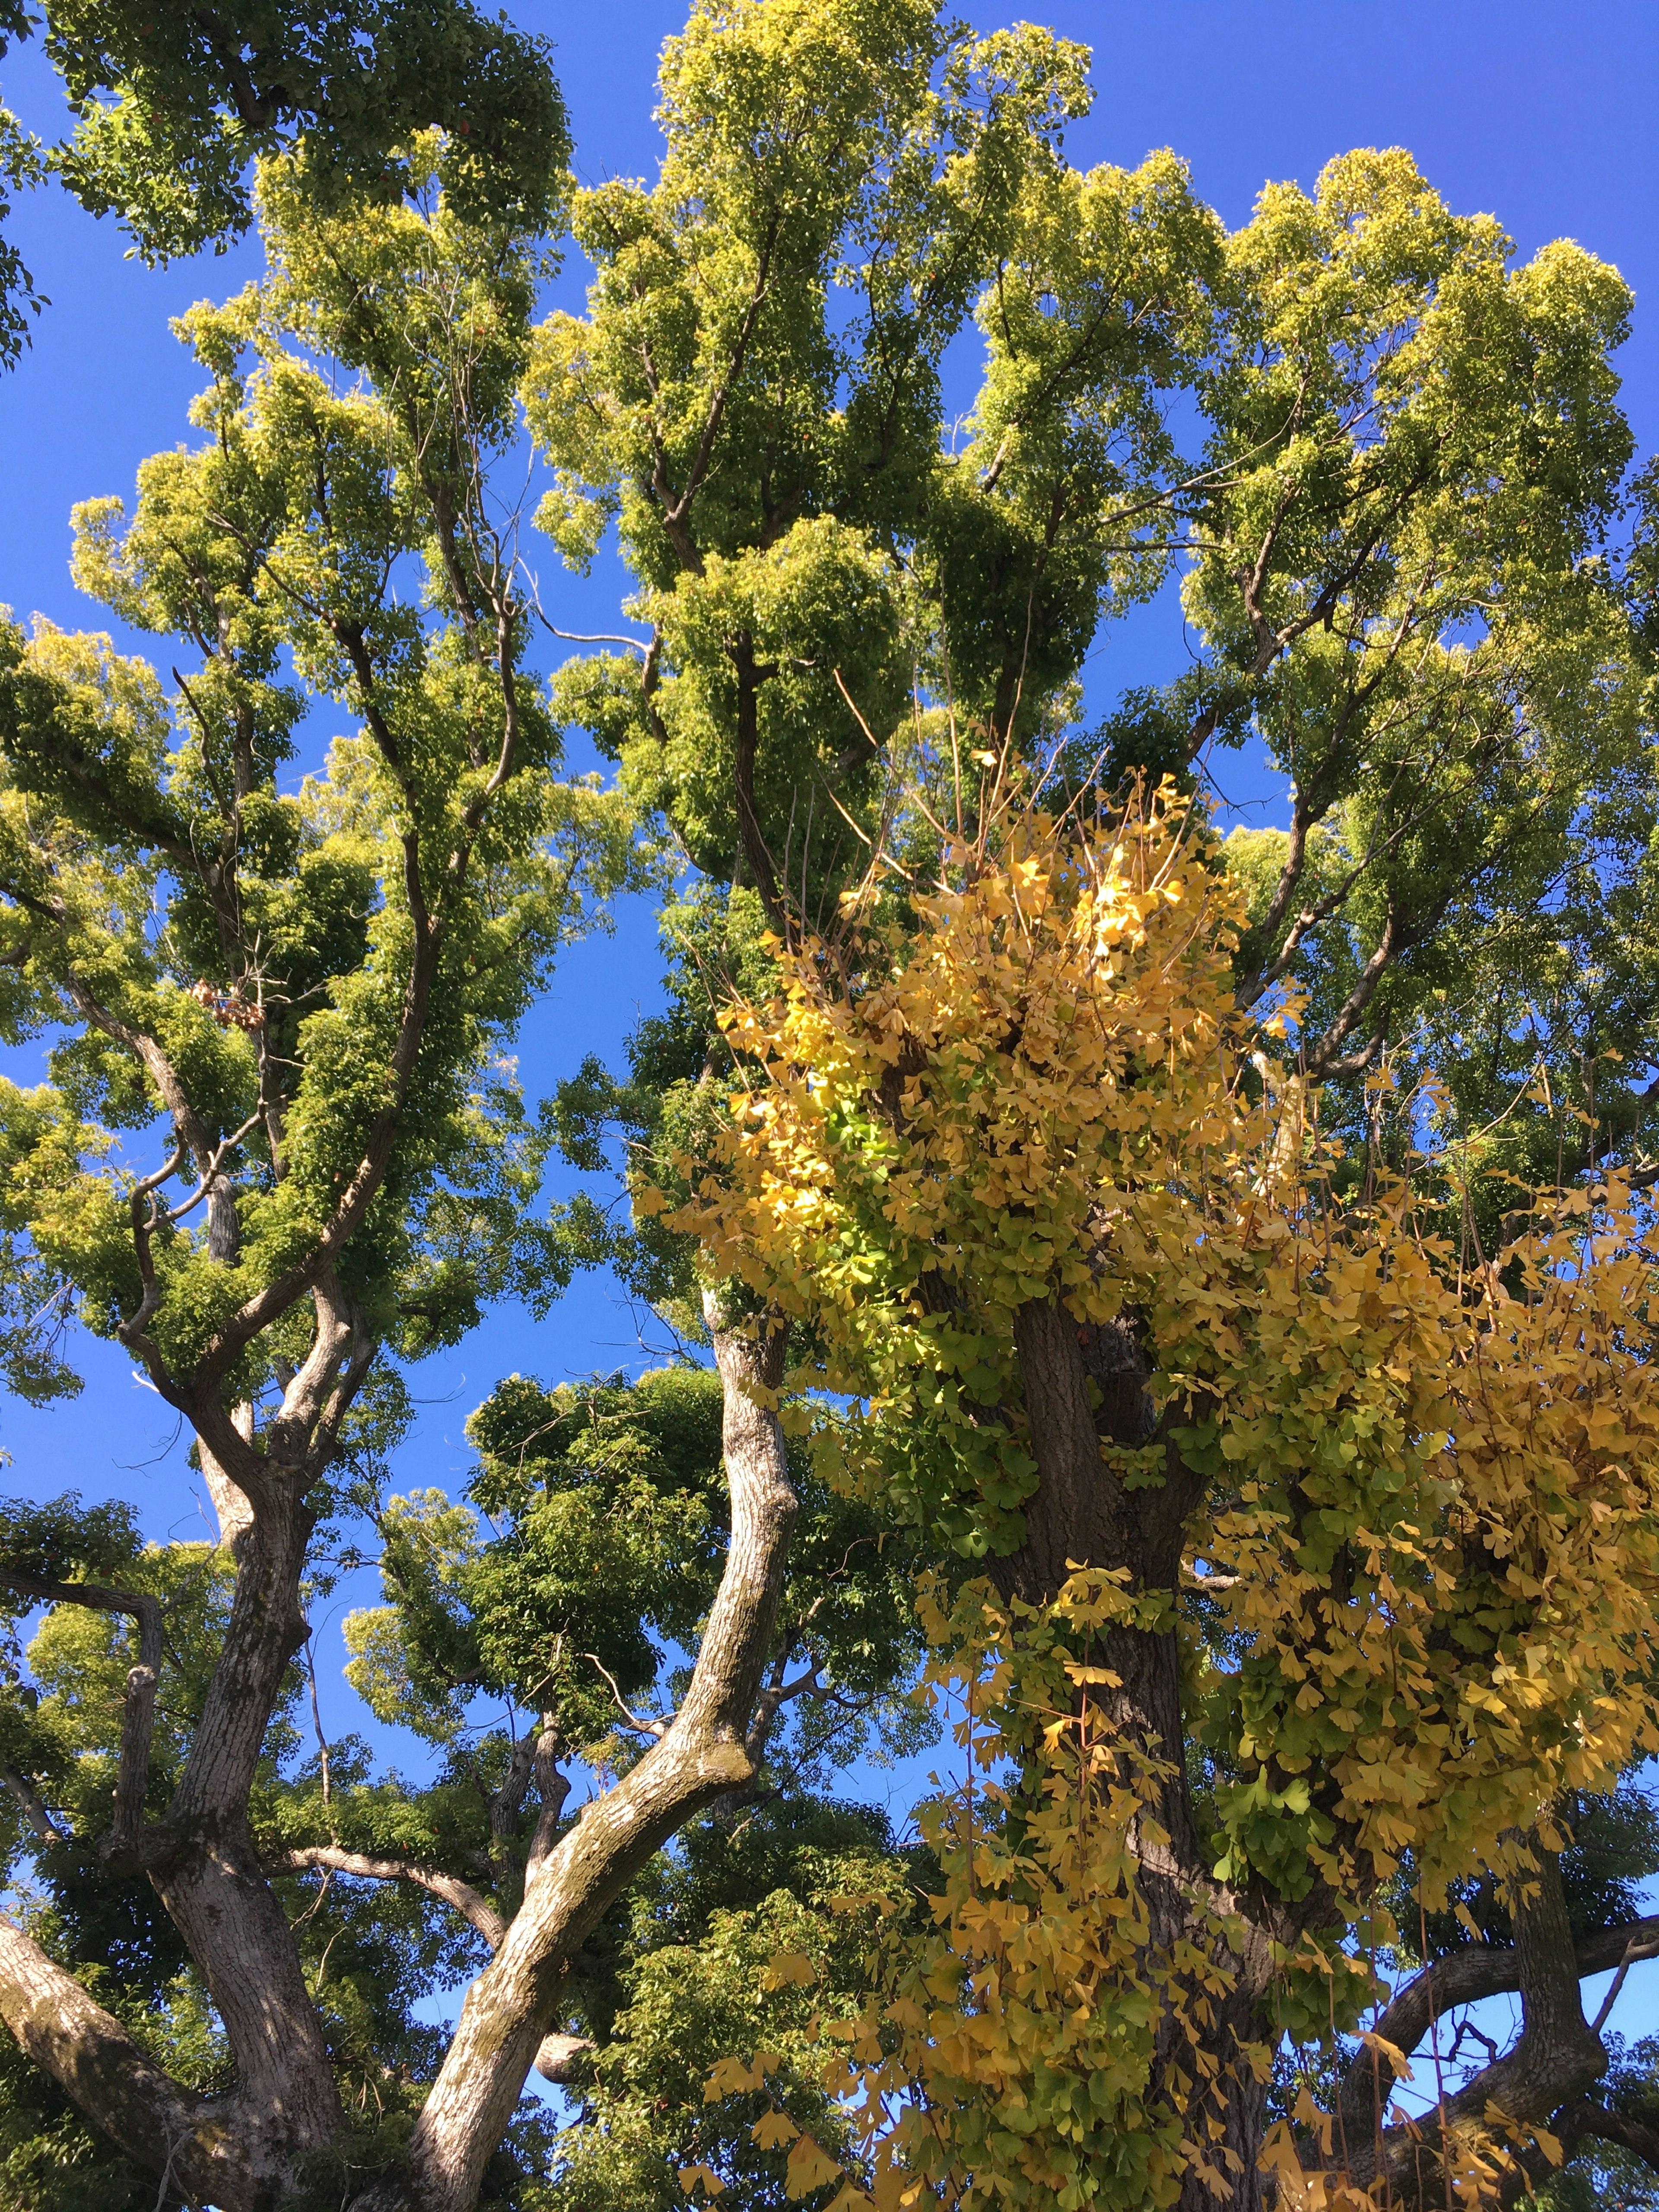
<point>659,1728</point>
<point>460,1896</point>
<point>32,1807</point>
<point>701,1759</point>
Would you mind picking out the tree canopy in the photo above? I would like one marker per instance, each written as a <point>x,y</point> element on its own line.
<point>1161,1316</point>
<point>173,105</point>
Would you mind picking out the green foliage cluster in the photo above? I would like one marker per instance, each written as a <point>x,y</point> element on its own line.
<point>176,105</point>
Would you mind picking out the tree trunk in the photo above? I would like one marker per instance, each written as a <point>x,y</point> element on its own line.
<point>1556,2058</point>
<point>1081,1516</point>
<point>201,1858</point>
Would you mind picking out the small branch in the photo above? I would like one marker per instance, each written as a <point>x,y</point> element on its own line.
<point>659,1728</point>
<point>1632,1953</point>
<point>642,646</point>
<point>32,1807</point>
<point>222,1152</point>
<point>138,1721</point>
<point>1208,1583</point>
<point>460,1896</point>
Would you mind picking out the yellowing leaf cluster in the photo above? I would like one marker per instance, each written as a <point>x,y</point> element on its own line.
<point>955,1125</point>
<point>1428,1527</point>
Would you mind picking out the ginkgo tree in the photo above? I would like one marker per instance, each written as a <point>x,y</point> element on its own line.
<point>1089,1300</point>
<point>1257,1475</point>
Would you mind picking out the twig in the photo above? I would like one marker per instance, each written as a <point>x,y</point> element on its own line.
<point>659,1728</point>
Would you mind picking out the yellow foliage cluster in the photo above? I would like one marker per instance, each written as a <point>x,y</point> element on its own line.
<point>1010,2051</point>
<point>1037,2041</point>
<point>950,1121</point>
<point>1429,1529</point>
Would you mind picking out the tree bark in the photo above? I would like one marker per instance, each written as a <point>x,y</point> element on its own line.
<point>202,1864</point>
<point>1084,1384</point>
<point>165,2129</point>
<point>507,2011</point>
<point>1553,2062</point>
<point>138,1718</point>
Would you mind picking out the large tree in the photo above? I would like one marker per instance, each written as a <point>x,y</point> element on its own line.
<point>278,1157</point>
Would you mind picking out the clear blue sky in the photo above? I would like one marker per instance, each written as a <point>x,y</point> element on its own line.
<point>1541,113</point>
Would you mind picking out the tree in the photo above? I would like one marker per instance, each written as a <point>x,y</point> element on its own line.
<point>310,991</point>
<point>1412,457</point>
<point>174,106</point>
<point>860,633</point>
<point>1108,1334</point>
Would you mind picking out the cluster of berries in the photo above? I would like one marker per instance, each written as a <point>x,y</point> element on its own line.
<point>229,1009</point>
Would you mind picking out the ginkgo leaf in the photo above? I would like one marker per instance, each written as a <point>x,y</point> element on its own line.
<point>790,1967</point>
<point>809,2168</point>
<point>773,2129</point>
<point>1396,2057</point>
<point>729,2077</point>
<point>703,2176</point>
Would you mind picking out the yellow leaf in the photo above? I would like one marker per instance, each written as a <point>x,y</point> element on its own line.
<point>1396,2057</point>
<point>711,2184</point>
<point>729,2077</point>
<point>773,2129</point>
<point>809,2168</point>
<point>788,1967</point>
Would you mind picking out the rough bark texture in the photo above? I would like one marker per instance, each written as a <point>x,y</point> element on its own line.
<point>1083,1384</point>
<point>138,1718</point>
<point>91,2055</point>
<point>240,2151</point>
<point>1557,2056</point>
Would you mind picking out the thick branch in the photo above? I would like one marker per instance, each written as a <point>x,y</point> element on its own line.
<point>508,2008</point>
<point>1589,2120</point>
<point>1463,1977</point>
<point>1323,1053</point>
<point>1554,2059</point>
<point>191,1129</point>
<point>93,2059</point>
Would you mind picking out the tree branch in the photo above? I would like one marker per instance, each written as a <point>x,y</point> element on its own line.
<point>1555,2058</point>
<point>508,2008</point>
<point>138,1719</point>
<point>93,2059</point>
<point>460,1896</point>
<point>32,1806</point>
<point>1587,2118</point>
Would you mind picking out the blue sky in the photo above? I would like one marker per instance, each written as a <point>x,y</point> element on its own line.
<point>1540,114</point>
